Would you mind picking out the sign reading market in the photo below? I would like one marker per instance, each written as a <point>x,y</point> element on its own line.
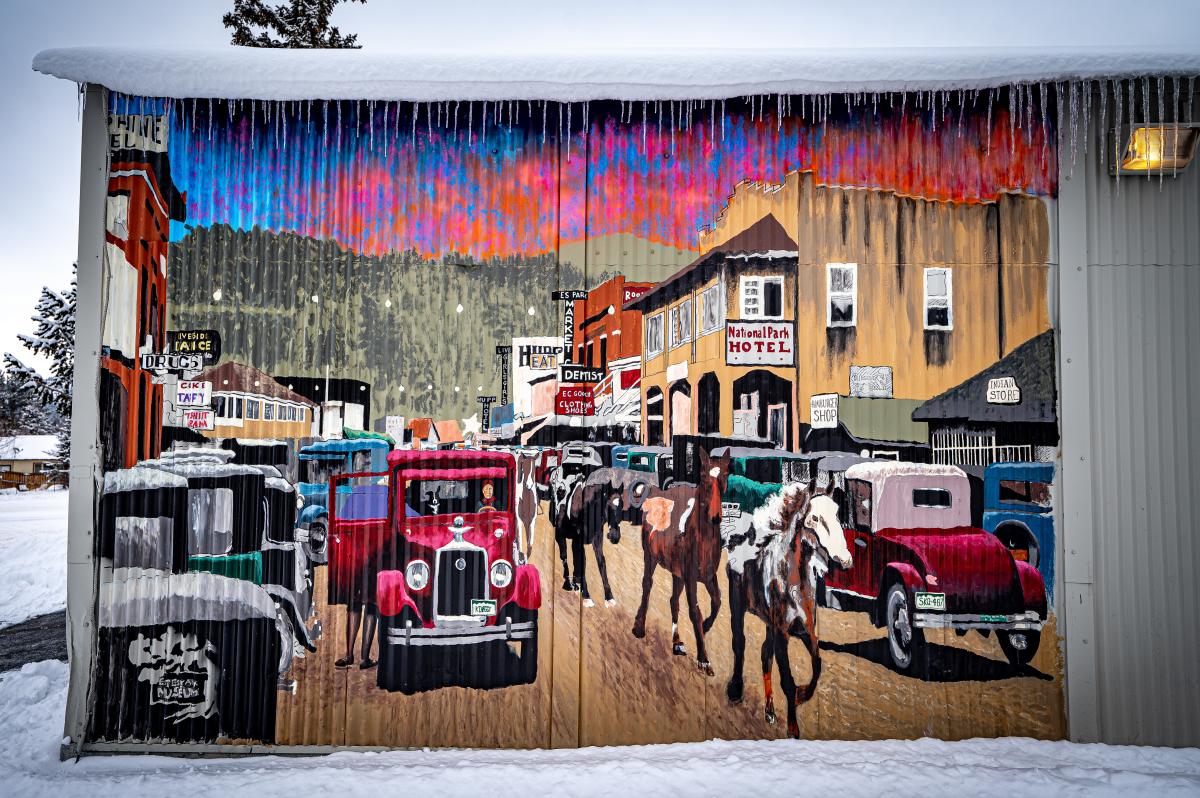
<point>760,343</point>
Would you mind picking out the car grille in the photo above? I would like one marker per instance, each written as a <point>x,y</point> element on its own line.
<point>457,586</point>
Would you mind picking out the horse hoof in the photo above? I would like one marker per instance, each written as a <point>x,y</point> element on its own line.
<point>639,631</point>
<point>705,667</point>
<point>612,602</point>
<point>793,730</point>
<point>587,602</point>
<point>678,650</point>
<point>770,716</point>
<point>734,691</point>
<point>567,585</point>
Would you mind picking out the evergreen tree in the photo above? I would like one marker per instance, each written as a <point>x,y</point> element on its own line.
<point>302,24</point>
<point>47,399</point>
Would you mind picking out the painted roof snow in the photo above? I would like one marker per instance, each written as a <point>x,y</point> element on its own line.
<point>661,74</point>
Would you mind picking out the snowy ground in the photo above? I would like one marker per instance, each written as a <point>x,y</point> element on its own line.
<point>32,699</point>
<point>33,551</point>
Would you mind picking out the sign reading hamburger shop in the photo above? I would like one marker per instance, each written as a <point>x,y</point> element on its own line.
<point>759,343</point>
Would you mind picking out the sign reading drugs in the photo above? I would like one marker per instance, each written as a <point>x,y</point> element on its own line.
<point>172,363</point>
<point>1003,391</point>
<point>198,420</point>
<point>193,393</point>
<point>823,411</point>
<point>574,402</point>
<point>759,343</point>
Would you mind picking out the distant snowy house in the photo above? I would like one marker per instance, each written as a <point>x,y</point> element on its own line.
<point>27,454</point>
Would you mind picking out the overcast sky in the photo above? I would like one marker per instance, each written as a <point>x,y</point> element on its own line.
<point>41,129</point>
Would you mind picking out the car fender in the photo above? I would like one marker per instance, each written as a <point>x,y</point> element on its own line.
<point>311,513</point>
<point>527,588</point>
<point>1033,587</point>
<point>907,574</point>
<point>391,594</point>
<point>290,603</point>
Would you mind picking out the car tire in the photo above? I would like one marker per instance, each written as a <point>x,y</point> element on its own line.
<point>1018,657</point>
<point>906,643</point>
<point>527,669</point>
<point>318,541</point>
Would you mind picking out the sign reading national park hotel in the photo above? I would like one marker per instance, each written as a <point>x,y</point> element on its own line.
<point>759,343</point>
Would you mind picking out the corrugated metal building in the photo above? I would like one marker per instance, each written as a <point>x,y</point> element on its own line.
<point>569,172</point>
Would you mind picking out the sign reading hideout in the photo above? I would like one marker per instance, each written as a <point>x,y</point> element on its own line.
<point>759,343</point>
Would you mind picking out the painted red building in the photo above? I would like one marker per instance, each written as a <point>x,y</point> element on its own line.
<point>142,201</point>
<point>608,336</point>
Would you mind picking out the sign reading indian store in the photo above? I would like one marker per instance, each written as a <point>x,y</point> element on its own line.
<point>760,343</point>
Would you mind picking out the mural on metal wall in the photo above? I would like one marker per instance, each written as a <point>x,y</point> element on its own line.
<point>374,374</point>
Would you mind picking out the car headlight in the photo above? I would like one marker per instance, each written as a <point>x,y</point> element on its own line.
<point>299,502</point>
<point>502,573</point>
<point>416,575</point>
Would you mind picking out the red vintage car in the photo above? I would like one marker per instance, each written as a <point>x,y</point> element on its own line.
<point>455,607</point>
<point>919,564</point>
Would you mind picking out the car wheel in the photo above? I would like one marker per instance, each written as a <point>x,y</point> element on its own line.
<point>1020,544</point>
<point>905,641</point>
<point>666,483</point>
<point>1019,646</point>
<point>318,538</point>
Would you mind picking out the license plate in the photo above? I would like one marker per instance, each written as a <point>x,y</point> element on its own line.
<point>931,601</point>
<point>483,607</point>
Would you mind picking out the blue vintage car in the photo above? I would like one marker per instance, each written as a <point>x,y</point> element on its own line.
<point>320,462</point>
<point>1017,509</point>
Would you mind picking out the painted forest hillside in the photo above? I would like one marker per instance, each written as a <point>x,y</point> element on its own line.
<point>289,304</point>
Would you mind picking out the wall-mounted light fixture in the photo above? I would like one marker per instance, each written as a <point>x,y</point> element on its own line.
<point>1165,149</point>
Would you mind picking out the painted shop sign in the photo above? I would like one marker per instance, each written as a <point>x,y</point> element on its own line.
<point>485,413</point>
<point>539,357</point>
<point>147,132</point>
<point>570,297</point>
<point>193,393</point>
<point>202,342</point>
<point>871,382</point>
<point>199,420</point>
<point>164,363</point>
<point>582,374</point>
<point>630,294</point>
<point>1003,391</point>
<point>759,343</point>
<point>574,402</point>
<point>823,411</point>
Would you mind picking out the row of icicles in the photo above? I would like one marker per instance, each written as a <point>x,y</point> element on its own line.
<point>1162,99</point>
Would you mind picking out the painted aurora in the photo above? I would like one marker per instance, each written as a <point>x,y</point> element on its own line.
<point>346,551</point>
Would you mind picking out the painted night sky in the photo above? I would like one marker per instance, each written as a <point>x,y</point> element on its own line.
<point>485,181</point>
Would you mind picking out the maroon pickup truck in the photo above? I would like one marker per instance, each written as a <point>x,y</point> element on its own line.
<point>919,564</point>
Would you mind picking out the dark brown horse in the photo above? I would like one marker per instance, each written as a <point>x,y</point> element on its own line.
<point>681,531</point>
<point>773,572</point>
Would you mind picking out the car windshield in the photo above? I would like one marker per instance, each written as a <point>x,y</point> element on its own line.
<point>321,470</point>
<point>455,496</point>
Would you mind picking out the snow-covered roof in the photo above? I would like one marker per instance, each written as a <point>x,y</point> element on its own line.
<point>663,74</point>
<point>29,447</point>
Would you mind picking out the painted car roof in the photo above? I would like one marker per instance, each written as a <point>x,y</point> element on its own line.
<point>1044,471</point>
<point>343,446</point>
<point>878,471</point>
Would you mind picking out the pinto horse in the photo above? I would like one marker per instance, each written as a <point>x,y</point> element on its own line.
<point>681,531</point>
<point>526,499</point>
<point>773,572</point>
<point>580,509</point>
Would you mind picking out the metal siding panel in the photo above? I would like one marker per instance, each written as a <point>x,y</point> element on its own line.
<point>1143,287</point>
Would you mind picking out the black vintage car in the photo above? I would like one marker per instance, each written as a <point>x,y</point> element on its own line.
<point>184,655</point>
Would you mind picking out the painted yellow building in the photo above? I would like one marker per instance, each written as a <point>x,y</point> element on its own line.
<point>892,300</point>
